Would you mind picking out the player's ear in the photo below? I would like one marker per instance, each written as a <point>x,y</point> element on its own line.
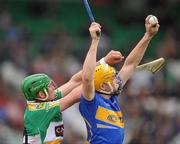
<point>41,94</point>
<point>103,86</point>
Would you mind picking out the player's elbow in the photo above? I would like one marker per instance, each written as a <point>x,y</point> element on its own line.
<point>87,78</point>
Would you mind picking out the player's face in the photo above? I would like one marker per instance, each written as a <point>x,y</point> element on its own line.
<point>51,91</point>
<point>116,82</point>
<point>113,86</point>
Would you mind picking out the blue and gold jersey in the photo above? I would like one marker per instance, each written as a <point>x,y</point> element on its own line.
<point>104,120</point>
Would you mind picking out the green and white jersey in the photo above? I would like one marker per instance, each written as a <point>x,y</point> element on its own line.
<point>43,122</point>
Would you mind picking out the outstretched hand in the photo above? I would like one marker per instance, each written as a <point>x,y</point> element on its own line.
<point>113,57</point>
<point>95,30</point>
<point>151,29</point>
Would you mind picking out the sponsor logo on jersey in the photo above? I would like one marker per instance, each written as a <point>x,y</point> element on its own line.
<point>59,130</point>
<point>40,106</point>
<point>114,118</point>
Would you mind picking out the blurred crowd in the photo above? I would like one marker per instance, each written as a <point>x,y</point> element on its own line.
<point>150,102</point>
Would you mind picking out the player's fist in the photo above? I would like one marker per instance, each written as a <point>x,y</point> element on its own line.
<point>113,57</point>
<point>95,30</point>
<point>151,27</point>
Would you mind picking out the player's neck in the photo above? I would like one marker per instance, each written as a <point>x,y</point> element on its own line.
<point>105,96</point>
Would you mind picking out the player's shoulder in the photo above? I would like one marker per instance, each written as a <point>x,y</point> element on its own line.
<point>97,97</point>
<point>53,103</point>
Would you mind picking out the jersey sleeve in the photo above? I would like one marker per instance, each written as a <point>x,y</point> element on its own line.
<point>87,107</point>
<point>58,94</point>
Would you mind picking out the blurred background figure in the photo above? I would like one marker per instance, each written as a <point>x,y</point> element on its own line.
<point>52,36</point>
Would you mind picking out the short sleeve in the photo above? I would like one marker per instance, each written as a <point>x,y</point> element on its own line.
<point>58,94</point>
<point>86,107</point>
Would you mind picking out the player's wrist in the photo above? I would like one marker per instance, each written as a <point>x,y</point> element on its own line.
<point>147,36</point>
<point>96,38</point>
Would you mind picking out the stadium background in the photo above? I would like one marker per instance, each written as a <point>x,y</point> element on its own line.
<point>52,37</point>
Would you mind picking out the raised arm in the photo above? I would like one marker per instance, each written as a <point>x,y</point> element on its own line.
<point>136,55</point>
<point>90,63</point>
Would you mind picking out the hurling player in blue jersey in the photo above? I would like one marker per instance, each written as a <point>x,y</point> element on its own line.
<point>101,86</point>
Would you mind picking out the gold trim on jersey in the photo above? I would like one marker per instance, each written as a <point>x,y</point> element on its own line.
<point>54,104</point>
<point>37,106</point>
<point>110,117</point>
<point>42,106</point>
<point>58,141</point>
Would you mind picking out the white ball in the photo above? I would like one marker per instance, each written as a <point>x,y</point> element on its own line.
<point>153,20</point>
